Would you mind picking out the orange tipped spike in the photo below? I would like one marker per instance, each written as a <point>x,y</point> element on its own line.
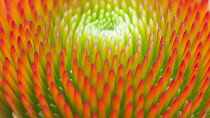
<point>183,96</point>
<point>111,80</point>
<point>128,81</point>
<point>99,85</point>
<point>140,114</point>
<point>87,89</point>
<point>113,114</point>
<point>93,74</point>
<point>68,112</point>
<point>149,100</point>
<point>139,106</point>
<point>78,102</point>
<point>81,78</point>
<point>128,110</point>
<point>173,108</point>
<point>116,103</point>
<point>107,96</point>
<point>187,109</point>
<point>165,114</point>
<point>28,107</point>
<point>129,95</point>
<point>153,111</point>
<point>101,108</point>
<point>93,99</point>
<point>86,110</point>
<point>161,102</point>
<point>196,102</point>
<point>70,92</point>
<point>140,90</point>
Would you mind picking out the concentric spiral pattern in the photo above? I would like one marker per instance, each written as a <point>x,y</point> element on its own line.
<point>104,58</point>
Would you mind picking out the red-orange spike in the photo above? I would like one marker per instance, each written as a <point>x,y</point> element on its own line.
<point>128,111</point>
<point>150,99</point>
<point>149,82</point>
<point>158,88</point>
<point>129,65</point>
<point>144,65</point>
<point>47,112</point>
<point>140,114</point>
<point>139,105</point>
<point>178,80</point>
<point>113,114</point>
<point>161,102</point>
<point>86,89</point>
<point>86,110</point>
<point>120,87</point>
<point>187,47</point>
<point>166,77</point>
<point>37,89</point>
<point>140,90</point>
<point>74,55</point>
<point>203,115</point>
<point>80,81</point>
<point>169,63</point>
<point>12,38</point>
<point>54,91</point>
<point>196,102</point>
<point>65,78</point>
<point>9,79</point>
<point>70,91</point>
<point>14,55</point>
<point>26,63</point>
<point>121,72</point>
<point>115,63</point>
<point>165,114</point>
<point>153,111</point>
<point>93,75</point>
<point>111,80</point>
<point>38,63</point>
<point>187,109</point>
<point>94,115</point>
<point>173,108</point>
<point>78,102</point>
<point>20,43</point>
<point>93,99</point>
<point>107,96</point>
<point>100,85</point>
<point>137,76</point>
<point>101,108</point>
<point>87,66</point>
<point>129,79</point>
<point>44,105</point>
<point>10,69</point>
<point>129,95</point>
<point>98,61</point>
<point>116,103</point>
<point>4,49</point>
<point>106,69</point>
<point>175,44</point>
<point>183,96</point>
<point>192,83</point>
<point>61,103</point>
<point>68,111</point>
<point>12,104</point>
<point>205,85</point>
<point>28,107</point>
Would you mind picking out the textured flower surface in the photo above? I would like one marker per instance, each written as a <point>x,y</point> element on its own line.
<point>104,58</point>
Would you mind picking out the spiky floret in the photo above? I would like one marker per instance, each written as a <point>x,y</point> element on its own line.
<point>109,58</point>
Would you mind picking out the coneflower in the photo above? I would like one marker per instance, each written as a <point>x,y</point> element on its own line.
<point>104,58</point>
